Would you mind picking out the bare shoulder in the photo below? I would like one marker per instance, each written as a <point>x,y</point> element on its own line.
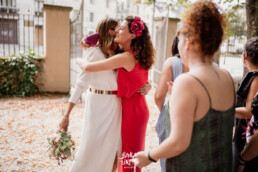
<point>168,63</point>
<point>127,55</point>
<point>184,81</point>
<point>255,83</point>
<point>185,89</point>
<point>167,66</point>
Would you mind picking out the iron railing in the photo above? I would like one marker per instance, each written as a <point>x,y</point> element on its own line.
<point>20,32</point>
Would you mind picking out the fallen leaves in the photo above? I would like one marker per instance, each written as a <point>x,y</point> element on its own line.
<point>25,124</point>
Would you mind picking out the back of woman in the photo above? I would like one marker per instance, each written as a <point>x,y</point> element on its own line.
<point>211,89</point>
<point>202,101</point>
<point>210,148</point>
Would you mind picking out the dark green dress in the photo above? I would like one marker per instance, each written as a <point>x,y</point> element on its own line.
<point>211,143</point>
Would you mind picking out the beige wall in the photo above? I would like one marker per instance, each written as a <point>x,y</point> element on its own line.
<point>172,29</point>
<point>164,32</point>
<point>56,72</point>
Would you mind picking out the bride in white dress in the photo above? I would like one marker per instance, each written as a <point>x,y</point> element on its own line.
<point>101,134</point>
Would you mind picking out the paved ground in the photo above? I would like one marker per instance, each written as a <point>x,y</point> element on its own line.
<point>25,124</point>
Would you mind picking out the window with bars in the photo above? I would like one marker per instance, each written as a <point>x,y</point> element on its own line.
<point>8,3</point>
<point>8,31</point>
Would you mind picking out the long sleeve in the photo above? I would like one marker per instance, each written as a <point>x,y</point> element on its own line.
<point>76,94</point>
<point>85,78</point>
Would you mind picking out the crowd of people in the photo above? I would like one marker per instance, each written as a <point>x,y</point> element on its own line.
<point>195,126</point>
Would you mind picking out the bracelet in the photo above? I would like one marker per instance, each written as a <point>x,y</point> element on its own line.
<point>151,159</point>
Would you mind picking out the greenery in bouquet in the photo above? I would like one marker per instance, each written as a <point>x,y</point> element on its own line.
<point>61,146</point>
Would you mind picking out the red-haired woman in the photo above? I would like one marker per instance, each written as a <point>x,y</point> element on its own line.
<point>202,101</point>
<point>133,66</point>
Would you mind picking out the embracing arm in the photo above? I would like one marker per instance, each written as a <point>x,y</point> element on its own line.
<point>124,60</point>
<point>161,91</point>
<point>245,112</point>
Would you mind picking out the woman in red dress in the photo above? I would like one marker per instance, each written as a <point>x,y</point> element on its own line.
<point>133,65</point>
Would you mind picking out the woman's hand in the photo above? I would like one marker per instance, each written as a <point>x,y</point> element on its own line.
<point>63,125</point>
<point>170,85</point>
<point>84,45</point>
<point>144,90</point>
<point>141,159</point>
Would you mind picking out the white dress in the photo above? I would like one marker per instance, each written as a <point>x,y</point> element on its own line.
<point>101,134</point>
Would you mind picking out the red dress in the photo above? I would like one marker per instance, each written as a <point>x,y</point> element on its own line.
<point>135,114</point>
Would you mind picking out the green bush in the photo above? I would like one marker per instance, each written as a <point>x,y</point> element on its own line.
<point>18,74</point>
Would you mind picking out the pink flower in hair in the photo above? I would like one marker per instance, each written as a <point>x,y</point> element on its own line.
<point>137,26</point>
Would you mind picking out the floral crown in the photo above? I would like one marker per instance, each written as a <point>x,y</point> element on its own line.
<point>137,26</point>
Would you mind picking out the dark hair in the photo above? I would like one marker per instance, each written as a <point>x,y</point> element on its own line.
<point>251,48</point>
<point>142,46</point>
<point>203,25</point>
<point>174,48</point>
<point>105,39</point>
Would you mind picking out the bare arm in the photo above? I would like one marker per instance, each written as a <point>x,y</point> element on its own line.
<point>182,120</point>
<point>251,150</point>
<point>124,60</point>
<point>245,112</point>
<point>63,126</point>
<point>162,88</point>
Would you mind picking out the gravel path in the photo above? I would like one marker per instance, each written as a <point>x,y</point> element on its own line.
<point>25,124</point>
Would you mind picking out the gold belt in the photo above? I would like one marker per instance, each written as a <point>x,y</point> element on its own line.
<point>102,91</point>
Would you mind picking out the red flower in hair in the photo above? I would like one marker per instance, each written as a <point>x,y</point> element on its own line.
<point>137,26</point>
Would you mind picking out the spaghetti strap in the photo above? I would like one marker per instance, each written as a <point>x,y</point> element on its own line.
<point>203,87</point>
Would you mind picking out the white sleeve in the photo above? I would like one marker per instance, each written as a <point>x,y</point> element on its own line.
<point>85,78</point>
<point>76,94</point>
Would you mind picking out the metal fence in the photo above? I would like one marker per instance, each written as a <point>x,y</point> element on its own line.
<point>232,47</point>
<point>20,32</point>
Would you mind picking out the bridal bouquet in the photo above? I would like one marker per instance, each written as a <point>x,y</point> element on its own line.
<point>61,146</point>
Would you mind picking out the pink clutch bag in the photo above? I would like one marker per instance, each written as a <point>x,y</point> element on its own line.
<point>92,39</point>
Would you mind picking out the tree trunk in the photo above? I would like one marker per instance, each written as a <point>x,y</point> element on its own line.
<point>251,21</point>
<point>252,18</point>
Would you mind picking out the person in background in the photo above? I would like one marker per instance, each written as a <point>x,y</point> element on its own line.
<point>248,158</point>
<point>245,94</point>
<point>172,68</point>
